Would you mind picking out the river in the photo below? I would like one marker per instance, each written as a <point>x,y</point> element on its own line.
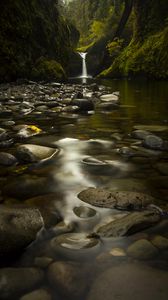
<point>96,149</point>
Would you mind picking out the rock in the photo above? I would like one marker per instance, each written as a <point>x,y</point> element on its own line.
<point>15,281</point>
<point>130,281</point>
<point>108,106</point>
<point>84,212</point>
<point>129,224</point>
<point>26,131</point>
<point>94,165</point>
<point>142,249</point>
<point>153,142</point>
<point>42,262</point>
<point>32,153</point>
<point>18,228</point>
<point>75,245</point>
<point>25,187</point>
<point>83,104</point>
<point>6,144</point>
<point>152,128</point>
<point>7,159</point>
<point>110,97</point>
<point>162,167</point>
<point>117,252</point>
<point>3,134</point>
<point>160,242</point>
<point>68,279</point>
<point>140,134</point>
<point>115,199</point>
<point>40,294</point>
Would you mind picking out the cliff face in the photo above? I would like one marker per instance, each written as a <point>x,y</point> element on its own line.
<point>147,53</point>
<point>34,40</point>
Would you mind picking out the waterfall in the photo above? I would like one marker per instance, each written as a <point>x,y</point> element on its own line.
<point>84,67</point>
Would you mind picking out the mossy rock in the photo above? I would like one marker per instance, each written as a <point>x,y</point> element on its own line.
<point>48,69</point>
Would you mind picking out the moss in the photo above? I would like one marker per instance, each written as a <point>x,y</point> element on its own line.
<point>148,58</point>
<point>47,69</point>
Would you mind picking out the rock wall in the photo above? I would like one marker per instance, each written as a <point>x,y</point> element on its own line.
<point>147,54</point>
<point>34,40</point>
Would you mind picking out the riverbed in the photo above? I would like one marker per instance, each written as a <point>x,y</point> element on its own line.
<point>95,144</point>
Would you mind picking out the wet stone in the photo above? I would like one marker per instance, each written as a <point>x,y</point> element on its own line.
<point>7,159</point>
<point>129,224</point>
<point>84,212</point>
<point>40,294</point>
<point>42,262</point>
<point>32,153</point>
<point>142,249</point>
<point>130,281</point>
<point>68,278</point>
<point>18,228</point>
<point>115,199</point>
<point>160,242</point>
<point>16,281</point>
<point>153,142</point>
<point>140,134</point>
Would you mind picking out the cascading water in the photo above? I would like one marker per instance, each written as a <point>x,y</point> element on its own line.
<point>84,66</point>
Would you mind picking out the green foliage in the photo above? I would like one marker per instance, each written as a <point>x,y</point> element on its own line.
<point>97,29</point>
<point>149,58</point>
<point>115,47</point>
<point>47,69</point>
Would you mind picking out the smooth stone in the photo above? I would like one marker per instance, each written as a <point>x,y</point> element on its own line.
<point>130,281</point>
<point>129,224</point>
<point>71,109</point>
<point>8,123</point>
<point>102,167</point>
<point>115,199</point>
<point>153,142</point>
<point>27,131</point>
<point>83,104</point>
<point>7,159</point>
<point>75,245</point>
<point>15,281</point>
<point>40,294</point>
<point>109,97</point>
<point>7,143</point>
<point>126,151</point>
<point>140,134</point>
<point>84,212</point>
<point>119,252</point>
<point>153,128</point>
<point>162,167</point>
<point>160,242</point>
<point>42,262</point>
<point>27,187</point>
<point>32,153</point>
<point>108,106</point>
<point>68,278</point>
<point>18,228</point>
<point>142,249</point>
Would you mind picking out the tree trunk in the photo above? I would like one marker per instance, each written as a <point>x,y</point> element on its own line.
<point>124,18</point>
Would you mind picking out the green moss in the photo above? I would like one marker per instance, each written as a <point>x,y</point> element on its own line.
<point>149,58</point>
<point>46,69</point>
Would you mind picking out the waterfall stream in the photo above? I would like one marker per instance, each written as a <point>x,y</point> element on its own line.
<point>84,66</point>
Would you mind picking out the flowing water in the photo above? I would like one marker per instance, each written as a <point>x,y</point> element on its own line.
<point>103,268</point>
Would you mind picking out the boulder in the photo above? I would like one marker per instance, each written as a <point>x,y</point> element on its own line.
<point>18,228</point>
<point>142,249</point>
<point>40,294</point>
<point>140,134</point>
<point>68,279</point>
<point>130,281</point>
<point>110,97</point>
<point>115,199</point>
<point>15,281</point>
<point>32,153</point>
<point>7,159</point>
<point>129,224</point>
<point>25,187</point>
<point>153,142</point>
<point>160,242</point>
<point>83,104</point>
